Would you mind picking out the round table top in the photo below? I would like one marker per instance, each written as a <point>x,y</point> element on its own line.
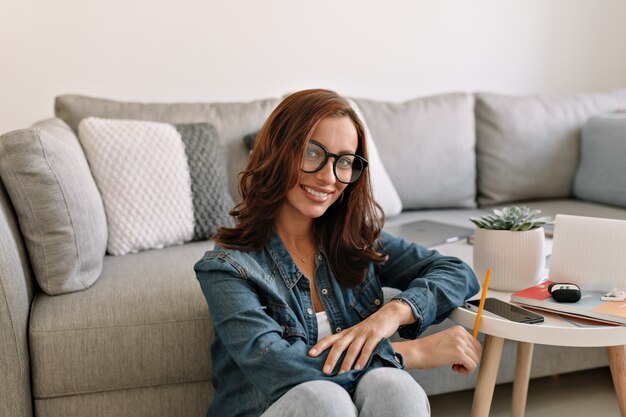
<point>555,330</point>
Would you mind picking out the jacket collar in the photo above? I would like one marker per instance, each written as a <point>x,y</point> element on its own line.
<point>283,261</point>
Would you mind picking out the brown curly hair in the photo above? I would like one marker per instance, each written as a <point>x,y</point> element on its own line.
<point>349,230</point>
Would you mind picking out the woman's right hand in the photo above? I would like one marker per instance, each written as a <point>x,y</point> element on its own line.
<point>453,346</point>
<point>360,340</point>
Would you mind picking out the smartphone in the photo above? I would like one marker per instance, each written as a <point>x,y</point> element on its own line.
<point>506,310</point>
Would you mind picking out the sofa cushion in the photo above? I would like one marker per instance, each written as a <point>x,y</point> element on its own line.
<point>231,120</point>
<point>601,174</point>
<point>427,147</point>
<point>190,399</point>
<point>57,203</point>
<point>161,184</point>
<point>144,323</point>
<point>528,147</point>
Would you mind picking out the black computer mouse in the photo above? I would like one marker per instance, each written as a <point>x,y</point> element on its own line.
<point>564,292</point>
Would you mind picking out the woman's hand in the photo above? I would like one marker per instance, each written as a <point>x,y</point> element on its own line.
<point>360,340</point>
<point>453,346</point>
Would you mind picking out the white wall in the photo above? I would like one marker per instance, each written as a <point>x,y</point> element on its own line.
<point>191,50</point>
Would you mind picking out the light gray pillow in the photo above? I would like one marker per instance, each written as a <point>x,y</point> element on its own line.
<point>161,184</point>
<point>232,121</point>
<point>57,203</point>
<point>427,147</point>
<point>528,147</point>
<point>601,175</point>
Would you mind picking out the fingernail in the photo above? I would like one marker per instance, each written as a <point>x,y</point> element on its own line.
<point>357,367</point>
<point>326,369</point>
<point>313,352</point>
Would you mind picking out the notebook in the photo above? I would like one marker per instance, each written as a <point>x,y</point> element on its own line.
<point>429,233</point>
<point>590,307</point>
<point>589,252</point>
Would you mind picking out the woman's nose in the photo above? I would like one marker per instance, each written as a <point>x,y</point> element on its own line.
<point>326,173</point>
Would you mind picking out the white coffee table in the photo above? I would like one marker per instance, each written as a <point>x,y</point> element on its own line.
<point>554,331</point>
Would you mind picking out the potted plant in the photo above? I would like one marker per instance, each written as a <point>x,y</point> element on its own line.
<point>510,241</point>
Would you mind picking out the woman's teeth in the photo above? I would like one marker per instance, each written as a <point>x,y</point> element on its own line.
<point>315,193</point>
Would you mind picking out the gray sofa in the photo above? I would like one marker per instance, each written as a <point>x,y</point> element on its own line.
<point>83,332</point>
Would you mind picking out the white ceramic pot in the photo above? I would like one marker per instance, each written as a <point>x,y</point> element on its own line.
<point>516,259</point>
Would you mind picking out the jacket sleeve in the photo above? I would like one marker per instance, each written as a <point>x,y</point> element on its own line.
<point>431,283</point>
<point>272,361</point>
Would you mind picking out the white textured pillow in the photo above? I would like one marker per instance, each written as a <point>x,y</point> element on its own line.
<point>161,184</point>
<point>383,189</point>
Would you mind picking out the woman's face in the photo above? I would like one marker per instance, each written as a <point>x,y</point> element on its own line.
<point>317,191</point>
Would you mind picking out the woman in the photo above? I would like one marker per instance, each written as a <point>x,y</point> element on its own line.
<point>294,289</point>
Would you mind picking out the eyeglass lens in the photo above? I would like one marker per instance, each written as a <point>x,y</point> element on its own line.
<point>347,167</point>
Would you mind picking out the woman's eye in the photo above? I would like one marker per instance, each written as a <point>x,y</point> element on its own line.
<point>312,154</point>
<point>345,162</point>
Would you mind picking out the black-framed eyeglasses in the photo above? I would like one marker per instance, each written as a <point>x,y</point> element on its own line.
<point>347,167</point>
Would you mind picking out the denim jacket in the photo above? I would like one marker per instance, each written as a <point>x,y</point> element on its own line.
<point>265,323</point>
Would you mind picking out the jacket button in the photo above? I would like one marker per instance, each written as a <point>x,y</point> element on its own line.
<point>338,329</point>
<point>309,311</point>
<point>319,257</point>
<point>396,358</point>
<point>324,291</point>
<point>377,302</point>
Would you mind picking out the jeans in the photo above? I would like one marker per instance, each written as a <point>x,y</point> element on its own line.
<point>380,392</point>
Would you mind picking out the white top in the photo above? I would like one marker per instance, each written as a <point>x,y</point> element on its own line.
<point>323,325</point>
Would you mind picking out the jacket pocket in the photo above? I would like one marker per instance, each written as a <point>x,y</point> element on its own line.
<point>368,297</point>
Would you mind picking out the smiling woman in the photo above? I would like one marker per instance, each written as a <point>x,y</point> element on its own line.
<point>295,287</point>
<point>275,176</point>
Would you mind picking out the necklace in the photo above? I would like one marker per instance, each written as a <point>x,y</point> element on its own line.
<point>304,259</point>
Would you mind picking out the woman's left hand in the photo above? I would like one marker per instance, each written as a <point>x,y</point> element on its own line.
<point>361,339</point>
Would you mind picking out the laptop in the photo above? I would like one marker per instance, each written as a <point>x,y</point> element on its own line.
<point>589,252</point>
<point>429,233</point>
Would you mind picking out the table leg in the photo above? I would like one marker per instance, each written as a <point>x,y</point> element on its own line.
<point>489,363</point>
<point>522,376</point>
<point>617,362</point>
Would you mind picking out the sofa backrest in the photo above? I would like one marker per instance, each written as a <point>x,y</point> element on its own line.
<point>427,146</point>
<point>231,120</point>
<point>17,287</point>
<point>528,147</point>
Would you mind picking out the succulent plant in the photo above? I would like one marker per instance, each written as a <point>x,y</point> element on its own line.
<point>515,218</point>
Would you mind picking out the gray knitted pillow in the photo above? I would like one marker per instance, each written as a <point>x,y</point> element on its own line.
<point>207,169</point>
<point>161,184</point>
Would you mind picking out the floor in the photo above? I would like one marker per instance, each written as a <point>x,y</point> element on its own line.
<point>579,394</point>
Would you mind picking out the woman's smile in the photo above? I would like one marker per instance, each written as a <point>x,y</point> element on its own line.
<point>316,195</point>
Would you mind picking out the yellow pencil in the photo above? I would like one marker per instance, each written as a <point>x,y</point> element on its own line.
<point>483,296</point>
